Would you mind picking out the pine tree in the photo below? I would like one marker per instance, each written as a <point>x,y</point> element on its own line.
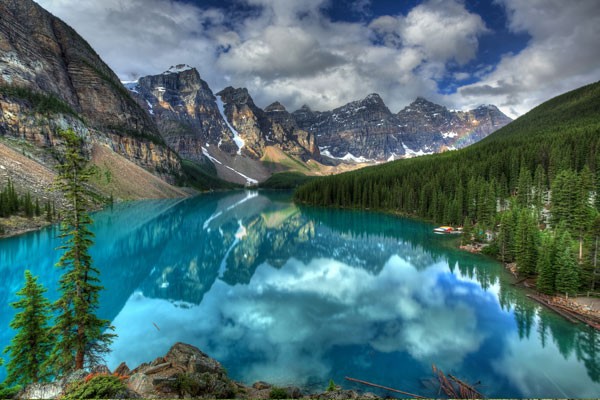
<point>567,276</point>
<point>82,337</point>
<point>526,241</point>
<point>565,262</point>
<point>31,345</point>
<point>545,266</point>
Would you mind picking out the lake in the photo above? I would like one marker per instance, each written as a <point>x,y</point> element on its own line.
<point>295,295</point>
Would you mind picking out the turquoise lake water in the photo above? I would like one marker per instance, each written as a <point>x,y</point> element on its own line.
<point>301,295</point>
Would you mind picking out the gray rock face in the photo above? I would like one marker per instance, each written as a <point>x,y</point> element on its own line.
<point>185,110</point>
<point>367,129</point>
<point>183,371</point>
<point>40,54</point>
<point>273,126</point>
<point>450,129</point>
<point>364,128</point>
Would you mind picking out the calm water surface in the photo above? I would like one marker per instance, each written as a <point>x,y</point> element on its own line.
<point>300,296</point>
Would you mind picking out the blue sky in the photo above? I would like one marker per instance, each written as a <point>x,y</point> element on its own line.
<point>325,53</point>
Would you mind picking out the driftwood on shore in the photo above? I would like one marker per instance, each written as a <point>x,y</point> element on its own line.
<point>416,396</point>
<point>450,385</point>
<point>455,388</point>
<point>565,311</point>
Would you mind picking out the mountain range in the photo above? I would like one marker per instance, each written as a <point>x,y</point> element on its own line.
<point>166,125</point>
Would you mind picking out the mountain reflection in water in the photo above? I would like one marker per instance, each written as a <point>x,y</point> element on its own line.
<point>302,295</point>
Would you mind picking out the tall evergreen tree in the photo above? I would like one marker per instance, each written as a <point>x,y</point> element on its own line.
<point>31,345</point>
<point>526,241</point>
<point>567,274</point>
<point>546,279</point>
<point>82,337</point>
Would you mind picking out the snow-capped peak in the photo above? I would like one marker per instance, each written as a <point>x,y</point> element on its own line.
<point>175,69</point>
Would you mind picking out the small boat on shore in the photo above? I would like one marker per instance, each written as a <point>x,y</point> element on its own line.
<point>447,229</point>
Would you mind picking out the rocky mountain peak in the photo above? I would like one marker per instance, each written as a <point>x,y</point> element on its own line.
<point>421,104</point>
<point>275,107</point>
<point>231,95</point>
<point>373,98</point>
<point>175,69</point>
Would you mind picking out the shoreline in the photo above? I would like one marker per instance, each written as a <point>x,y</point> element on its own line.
<point>17,225</point>
<point>577,309</point>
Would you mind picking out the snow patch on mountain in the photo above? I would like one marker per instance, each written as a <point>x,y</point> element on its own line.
<point>175,69</point>
<point>236,136</point>
<point>348,157</point>
<point>412,153</point>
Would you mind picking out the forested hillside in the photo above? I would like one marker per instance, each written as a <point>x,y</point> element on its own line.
<point>546,163</point>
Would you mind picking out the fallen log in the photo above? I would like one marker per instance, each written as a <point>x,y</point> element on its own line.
<point>551,306</point>
<point>416,396</point>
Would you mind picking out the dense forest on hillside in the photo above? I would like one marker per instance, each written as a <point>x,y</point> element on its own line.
<point>540,171</point>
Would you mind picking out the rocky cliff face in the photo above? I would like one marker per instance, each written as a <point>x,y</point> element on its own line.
<point>185,110</point>
<point>447,129</point>
<point>50,77</point>
<point>367,130</point>
<point>273,126</point>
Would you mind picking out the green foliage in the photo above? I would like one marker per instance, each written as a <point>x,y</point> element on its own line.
<point>567,269</point>
<point>201,384</point>
<point>203,177</point>
<point>185,384</point>
<point>331,387</point>
<point>98,387</point>
<point>81,337</point>
<point>546,280</point>
<point>30,347</point>
<point>8,392</point>
<point>285,180</point>
<point>526,243</point>
<point>11,203</point>
<point>124,130</point>
<point>40,102</point>
<point>278,393</point>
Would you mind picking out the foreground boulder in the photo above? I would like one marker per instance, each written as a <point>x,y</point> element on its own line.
<point>184,372</point>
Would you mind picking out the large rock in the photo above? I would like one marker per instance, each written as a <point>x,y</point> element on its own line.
<point>183,371</point>
<point>51,390</point>
<point>194,360</point>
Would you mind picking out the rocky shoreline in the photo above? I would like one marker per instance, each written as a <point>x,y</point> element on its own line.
<point>184,372</point>
<point>574,309</point>
<point>17,225</point>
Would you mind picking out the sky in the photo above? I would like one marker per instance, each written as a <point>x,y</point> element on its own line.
<point>515,54</point>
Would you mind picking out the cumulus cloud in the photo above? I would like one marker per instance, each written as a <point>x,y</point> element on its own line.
<point>285,321</point>
<point>293,52</point>
<point>562,377</point>
<point>563,54</point>
<point>282,50</point>
<point>441,30</point>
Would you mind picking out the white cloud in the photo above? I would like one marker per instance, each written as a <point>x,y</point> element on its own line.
<point>544,371</point>
<point>563,54</point>
<point>444,30</point>
<point>284,50</point>
<point>289,340</point>
<point>291,51</point>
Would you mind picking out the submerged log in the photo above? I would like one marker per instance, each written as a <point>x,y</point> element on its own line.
<point>455,388</point>
<point>416,396</point>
